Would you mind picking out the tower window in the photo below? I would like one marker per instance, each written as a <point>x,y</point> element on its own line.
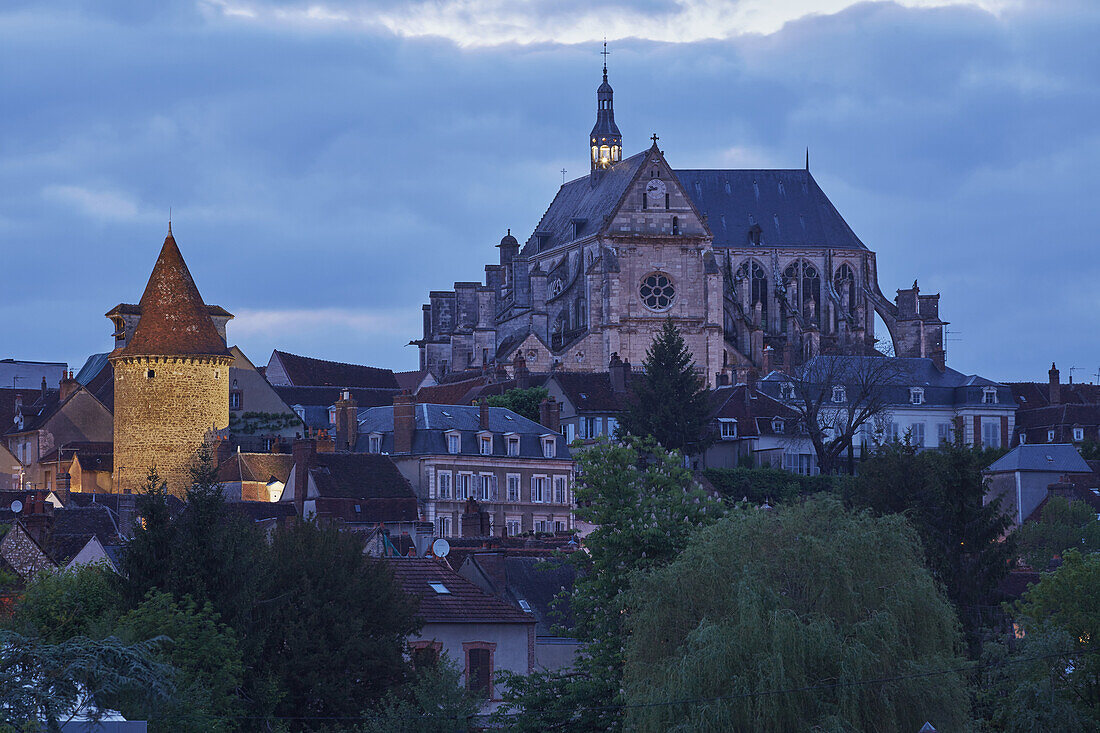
<point>675,225</point>
<point>645,200</point>
<point>666,200</point>
<point>150,374</point>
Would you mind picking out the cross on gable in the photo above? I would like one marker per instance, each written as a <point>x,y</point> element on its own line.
<point>654,138</point>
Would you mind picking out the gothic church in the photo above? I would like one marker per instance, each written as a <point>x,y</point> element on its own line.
<point>756,267</point>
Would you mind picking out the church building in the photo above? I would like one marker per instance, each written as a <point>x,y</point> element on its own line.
<point>757,269</point>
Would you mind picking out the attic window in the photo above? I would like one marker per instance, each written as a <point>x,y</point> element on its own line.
<point>486,443</point>
<point>728,428</point>
<point>445,413</point>
<point>916,395</point>
<point>989,395</point>
<point>439,588</point>
<point>453,443</point>
<point>513,446</point>
<point>525,606</point>
<point>777,426</point>
<point>508,417</point>
<point>839,395</point>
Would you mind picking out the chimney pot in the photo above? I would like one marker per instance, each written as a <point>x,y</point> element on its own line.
<point>1055,385</point>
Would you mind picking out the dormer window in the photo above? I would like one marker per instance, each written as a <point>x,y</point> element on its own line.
<point>374,443</point>
<point>549,446</point>
<point>916,395</point>
<point>777,425</point>
<point>989,395</point>
<point>1050,436</point>
<point>786,391</point>
<point>727,428</point>
<point>839,395</point>
<point>513,445</point>
<point>1078,434</point>
<point>485,444</point>
<point>454,442</point>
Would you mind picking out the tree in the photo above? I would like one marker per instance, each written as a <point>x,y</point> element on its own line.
<point>835,396</point>
<point>61,605</point>
<point>804,596</point>
<point>670,402</point>
<point>942,492</point>
<point>434,701</point>
<point>644,505</point>
<point>1062,525</point>
<point>206,658</point>
<point>51,683</point>
<point>1051,680</point>
<point>336,624</point>
<point>523,402</point>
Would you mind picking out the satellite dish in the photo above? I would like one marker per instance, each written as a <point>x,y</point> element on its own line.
<point>16,506</point>
<point>441,547</point>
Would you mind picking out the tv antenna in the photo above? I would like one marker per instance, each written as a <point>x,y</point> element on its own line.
<point>441,547</point>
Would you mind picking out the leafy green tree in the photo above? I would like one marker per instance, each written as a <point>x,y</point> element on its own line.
<point>41,681</point>
<point>523,402</point>
<point>804,596</point>
<point>941,492</point>
<point>434,701</point>
<point>771,484</point>
<point>645,505</point>
<point>204,654</point>
<point>1062,525</point>
<point>336,624</point>
<point>670,402</point>
<point>61,605</point>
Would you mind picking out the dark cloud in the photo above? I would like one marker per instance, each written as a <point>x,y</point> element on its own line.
<point>337,173</point>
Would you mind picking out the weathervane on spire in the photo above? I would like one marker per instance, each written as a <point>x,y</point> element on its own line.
<point>169,221</point>
<point>604,53</point>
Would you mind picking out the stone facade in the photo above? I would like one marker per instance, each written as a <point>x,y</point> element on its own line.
<point>740,260</point>
<point>164,408</point>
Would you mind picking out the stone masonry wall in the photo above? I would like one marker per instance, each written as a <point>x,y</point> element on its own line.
<point>163,419</point>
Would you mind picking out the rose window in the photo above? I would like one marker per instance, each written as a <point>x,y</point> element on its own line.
<point>657,291</point>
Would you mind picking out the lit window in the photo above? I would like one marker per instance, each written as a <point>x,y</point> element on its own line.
<point>916,395</point>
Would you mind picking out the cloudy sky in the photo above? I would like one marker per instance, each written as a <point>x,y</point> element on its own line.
<point>328,163</point>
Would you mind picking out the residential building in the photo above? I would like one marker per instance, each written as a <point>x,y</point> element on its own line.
<point>259,419</point>
<point>1053,412</point>
<point>531,584</point>
<point>291,370</point>
<point>1022,477</point>
<point>480,633</point>
<point>357,489</point>
<point>591,402</point>
<point>920,402</point>
<point>19,375</point>
<point>519,472</point>
<point>255,476</point>
<point>750,428</point>
<point>58,417</point>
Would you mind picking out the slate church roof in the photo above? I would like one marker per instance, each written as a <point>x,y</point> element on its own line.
<point>788,205</point>
<point>174,320</point>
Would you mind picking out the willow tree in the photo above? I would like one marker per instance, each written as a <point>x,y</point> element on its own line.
<point>807,617</point>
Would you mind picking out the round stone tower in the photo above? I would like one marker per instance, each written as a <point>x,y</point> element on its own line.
<point>171,380</point>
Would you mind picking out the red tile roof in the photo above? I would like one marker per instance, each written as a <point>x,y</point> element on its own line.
<point>464,603</point>
<point>305,371</point>
<point>174,320</point>
<point>450,393</point>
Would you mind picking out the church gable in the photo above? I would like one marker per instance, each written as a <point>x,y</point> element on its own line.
<point>655,204</point>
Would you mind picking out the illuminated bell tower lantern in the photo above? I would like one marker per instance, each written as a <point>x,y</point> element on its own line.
<point>606,142</point>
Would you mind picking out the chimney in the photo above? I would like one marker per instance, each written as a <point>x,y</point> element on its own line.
<point>1055,385</point>
<point>347,421</point>
<point>68,385</point>
<point>127,510</point>
<point>939,360</point>
<point>550,414</point>
<point>520,373</point>
<point>483,414</point>
<point>404,422</point>
<point>43,388</point>
<point>617,370</point>
<point>471,519</point>
<point>303,452</point>
<point>36,520</point>
<point>767,361</point>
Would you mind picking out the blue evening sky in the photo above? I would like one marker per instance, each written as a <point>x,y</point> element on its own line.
<point>328,162</point>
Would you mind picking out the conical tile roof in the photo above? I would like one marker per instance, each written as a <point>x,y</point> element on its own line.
<point>174,320</point>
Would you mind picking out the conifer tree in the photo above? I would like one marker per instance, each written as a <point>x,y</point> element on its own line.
<point>670,402</point>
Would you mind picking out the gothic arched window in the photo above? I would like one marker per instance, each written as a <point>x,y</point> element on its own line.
<point>846,277</point>
<point>807,280</point>
<point>752,272</point>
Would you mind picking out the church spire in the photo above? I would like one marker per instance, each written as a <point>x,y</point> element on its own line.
<point>605,140</point>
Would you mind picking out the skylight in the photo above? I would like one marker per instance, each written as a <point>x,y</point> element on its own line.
<point>525,606</point>
<point>439,588</point>
<point>445,413</point>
